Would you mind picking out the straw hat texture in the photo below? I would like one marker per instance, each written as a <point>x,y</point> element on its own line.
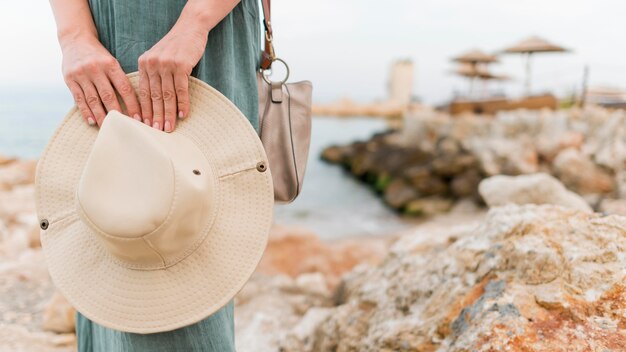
<point>145,231</point>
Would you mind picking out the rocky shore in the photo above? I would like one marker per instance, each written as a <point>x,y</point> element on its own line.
<point>540,271</point>
<point>436,159</point>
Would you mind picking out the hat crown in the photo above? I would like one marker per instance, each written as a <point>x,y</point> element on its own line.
<point>126,189</point>
<point>149,195</point>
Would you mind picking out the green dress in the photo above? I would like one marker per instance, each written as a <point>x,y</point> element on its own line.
<point>128,29</point>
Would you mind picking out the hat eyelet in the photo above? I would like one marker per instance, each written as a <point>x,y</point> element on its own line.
<point>197,172</point>
<point>44,224</point>
<point>260,166</point>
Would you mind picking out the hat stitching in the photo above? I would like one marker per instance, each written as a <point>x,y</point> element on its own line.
<point>59,218</point>
<point>155,250</point>
<point>237,172</point>
<point>198,144</point>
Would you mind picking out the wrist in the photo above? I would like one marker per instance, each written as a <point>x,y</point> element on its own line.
<point>73,35</point>
<point>196,16</point>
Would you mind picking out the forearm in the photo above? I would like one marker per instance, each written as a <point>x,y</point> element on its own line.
<point>203,15</point>
<point>74,21</point>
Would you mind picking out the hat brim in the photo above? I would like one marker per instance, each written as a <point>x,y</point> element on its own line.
<point>148,301</point>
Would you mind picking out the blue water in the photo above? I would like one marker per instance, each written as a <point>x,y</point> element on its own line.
<point>332,204</point>
<point>28,119</point>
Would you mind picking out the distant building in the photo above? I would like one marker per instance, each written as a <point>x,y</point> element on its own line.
<point>400,85</point>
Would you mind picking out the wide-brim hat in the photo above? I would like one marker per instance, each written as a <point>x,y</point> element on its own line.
<point>146,231</point>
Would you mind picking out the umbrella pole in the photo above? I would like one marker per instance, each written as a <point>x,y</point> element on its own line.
<point>528,74</point>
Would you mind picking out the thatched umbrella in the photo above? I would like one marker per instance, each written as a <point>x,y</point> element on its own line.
<point>473,65</point>
<point>530,46</point>
<point>474,57</point>
<point>477,72</point>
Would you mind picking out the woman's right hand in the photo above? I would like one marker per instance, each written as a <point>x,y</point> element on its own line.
<point>93,76</point>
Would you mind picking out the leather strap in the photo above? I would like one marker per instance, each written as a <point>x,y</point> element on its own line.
<point>267,56</point>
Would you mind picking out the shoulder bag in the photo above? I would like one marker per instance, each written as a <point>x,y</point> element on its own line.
<point>284,121</point>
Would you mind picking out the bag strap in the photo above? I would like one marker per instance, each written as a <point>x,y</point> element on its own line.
<point>268,55</point>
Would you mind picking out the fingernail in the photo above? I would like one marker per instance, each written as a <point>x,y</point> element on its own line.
<point>168,126</point>
<point>137,117</point>
<point>181,115</point>
<point>147,122</point>
<point>156,125</point>
<point>91,121</point>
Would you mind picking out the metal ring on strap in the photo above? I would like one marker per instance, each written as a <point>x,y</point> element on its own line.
<point>266,79</point>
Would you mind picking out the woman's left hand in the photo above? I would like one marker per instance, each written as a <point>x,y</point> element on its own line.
<point>164,72</point>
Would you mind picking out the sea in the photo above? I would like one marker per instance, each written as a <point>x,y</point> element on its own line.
<point>332,203</point>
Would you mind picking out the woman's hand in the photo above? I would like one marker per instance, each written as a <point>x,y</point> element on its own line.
<point>164,72</point>
<point>93,76</point>
<point>89,70</point>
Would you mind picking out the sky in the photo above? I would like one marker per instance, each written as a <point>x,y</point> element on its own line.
<point>345,47</point>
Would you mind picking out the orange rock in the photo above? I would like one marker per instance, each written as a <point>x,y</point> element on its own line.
<point>294,251</point>
<point>17,172</point>
<point>59,315</point>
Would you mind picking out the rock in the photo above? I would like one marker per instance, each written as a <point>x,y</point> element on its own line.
<point>17,172</point>
<point>4,160</point>
<point>59,315</point>
<point>292,251</point>
<point>428,206</point>
<point>334,154</point>
<point>451,165</point>
<point>505,156</point>
<point>20,200</point>
<point>18,338</point>
<point>466,183</point>
<point>398,193</point>
<point>417,174</point>
<point>621,183</point>
<point>530,277</point>
<point>549,146</point>
<point>613,206</point>
<point>299,338</point>
<point>606,139</point>
<point>579,173</point>
<point>269,308</point>
<point>529,189</point>
<point>432,186</point>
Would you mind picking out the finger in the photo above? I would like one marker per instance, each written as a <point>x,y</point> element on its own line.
<point>106,92</point>
<point>123,86</point>
<point>81,103</point>
<point>93,100</point>
<point>144,97</point>
<point>157,100</point>
<point>169,101</point>
<point>181,82</point>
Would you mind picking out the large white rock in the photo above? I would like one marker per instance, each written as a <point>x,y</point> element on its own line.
<point>539,188</point>
<point>529,278</point>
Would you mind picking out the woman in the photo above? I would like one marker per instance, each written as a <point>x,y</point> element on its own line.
<point>217,41</point>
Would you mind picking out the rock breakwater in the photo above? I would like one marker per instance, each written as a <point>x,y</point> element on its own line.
<point>435,159</point>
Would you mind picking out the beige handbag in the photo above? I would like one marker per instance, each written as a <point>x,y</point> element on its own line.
<point>284,122</point>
